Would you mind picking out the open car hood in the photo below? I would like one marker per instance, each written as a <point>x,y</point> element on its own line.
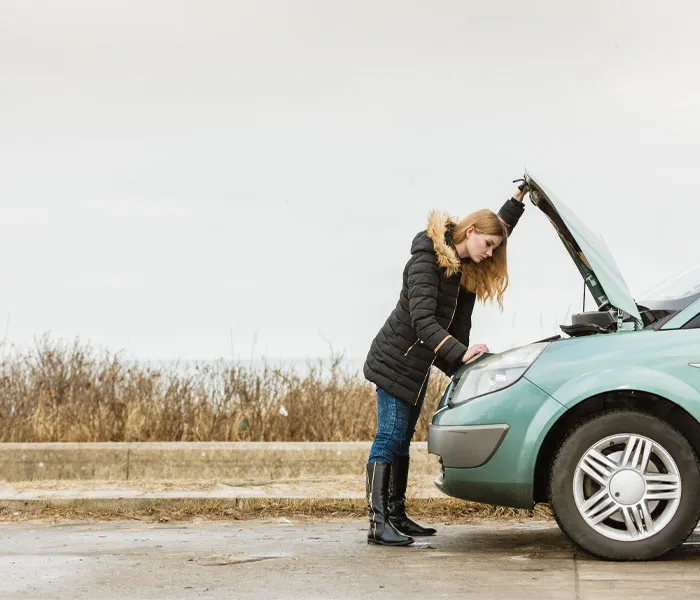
<point>588,251</point>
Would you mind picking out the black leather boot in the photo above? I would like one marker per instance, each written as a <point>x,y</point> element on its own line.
<point>381,531</point>
<point>397,501</point>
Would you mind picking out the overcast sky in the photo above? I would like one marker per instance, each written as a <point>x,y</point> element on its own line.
<point>203,179</point>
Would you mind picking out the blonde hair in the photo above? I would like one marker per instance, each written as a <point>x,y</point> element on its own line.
<point>489,278</point>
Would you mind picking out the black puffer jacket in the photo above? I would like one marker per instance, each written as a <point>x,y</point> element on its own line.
<point>432,305</point>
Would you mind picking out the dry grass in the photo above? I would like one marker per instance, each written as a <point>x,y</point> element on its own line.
<point>61,392</point>
<point>179,509</point>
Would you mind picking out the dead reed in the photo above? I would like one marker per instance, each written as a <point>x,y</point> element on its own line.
<point>58,392</point>
<point>445,510</point>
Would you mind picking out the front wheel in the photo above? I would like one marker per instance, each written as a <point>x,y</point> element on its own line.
<point>626,486</point>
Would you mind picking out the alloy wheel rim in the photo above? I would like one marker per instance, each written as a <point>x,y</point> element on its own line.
<point>627,487</point>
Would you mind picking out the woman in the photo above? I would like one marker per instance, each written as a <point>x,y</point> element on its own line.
<point>452,264</point>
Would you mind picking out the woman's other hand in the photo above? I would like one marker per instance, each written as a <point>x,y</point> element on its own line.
<point>520,192</point>
<point>474,352</point>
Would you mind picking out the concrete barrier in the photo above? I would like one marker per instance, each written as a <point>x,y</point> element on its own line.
<point>238,461</point>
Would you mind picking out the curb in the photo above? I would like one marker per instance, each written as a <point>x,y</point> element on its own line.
<point>126,461</point>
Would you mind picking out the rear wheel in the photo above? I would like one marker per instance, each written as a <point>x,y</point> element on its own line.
<point>626,486</point>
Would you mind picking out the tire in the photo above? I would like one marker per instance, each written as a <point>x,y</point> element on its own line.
<point>655,502</point>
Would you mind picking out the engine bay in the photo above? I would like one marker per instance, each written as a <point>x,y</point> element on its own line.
<point>605,320</point>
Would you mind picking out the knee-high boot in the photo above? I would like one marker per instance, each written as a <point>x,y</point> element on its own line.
<point>397,500</point>
<point>381,531</point>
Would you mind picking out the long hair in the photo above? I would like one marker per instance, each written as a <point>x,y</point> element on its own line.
<point>489,278</point>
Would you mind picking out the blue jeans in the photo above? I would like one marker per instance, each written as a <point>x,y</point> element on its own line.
<point>396,424</point>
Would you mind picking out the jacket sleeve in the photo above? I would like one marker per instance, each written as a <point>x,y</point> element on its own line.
<point>423,280</point>
<point>448,369</point>
<point>511,212</point>
<point>460,329</point>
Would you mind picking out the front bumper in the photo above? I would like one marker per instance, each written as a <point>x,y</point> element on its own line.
<point>489,445</point>
<point>467,446</point>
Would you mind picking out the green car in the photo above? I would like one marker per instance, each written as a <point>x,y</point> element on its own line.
<point>603,424</point>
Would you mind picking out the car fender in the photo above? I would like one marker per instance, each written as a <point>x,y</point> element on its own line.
<point>537,430</point>
<point>633,378</point>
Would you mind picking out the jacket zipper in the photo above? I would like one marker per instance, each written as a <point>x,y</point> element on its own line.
<point>435,356</point>
<point>411,347</point>
<point>455,308</point>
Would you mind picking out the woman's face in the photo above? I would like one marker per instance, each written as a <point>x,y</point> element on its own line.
<point>481,246</point>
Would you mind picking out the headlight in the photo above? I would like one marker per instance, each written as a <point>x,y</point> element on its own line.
<point>496,372</point>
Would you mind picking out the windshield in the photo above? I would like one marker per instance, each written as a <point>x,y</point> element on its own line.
<point>681,285</point>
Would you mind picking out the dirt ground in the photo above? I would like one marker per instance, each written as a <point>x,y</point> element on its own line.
<point>282,558</point>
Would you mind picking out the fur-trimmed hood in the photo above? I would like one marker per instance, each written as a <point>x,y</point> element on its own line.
<point>433,238</point>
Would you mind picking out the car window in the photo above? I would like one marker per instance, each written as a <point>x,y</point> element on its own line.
<point>694,323</point>
<point>680,285</point>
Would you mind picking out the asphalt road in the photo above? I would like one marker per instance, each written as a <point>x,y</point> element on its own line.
<point>281,559</point>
